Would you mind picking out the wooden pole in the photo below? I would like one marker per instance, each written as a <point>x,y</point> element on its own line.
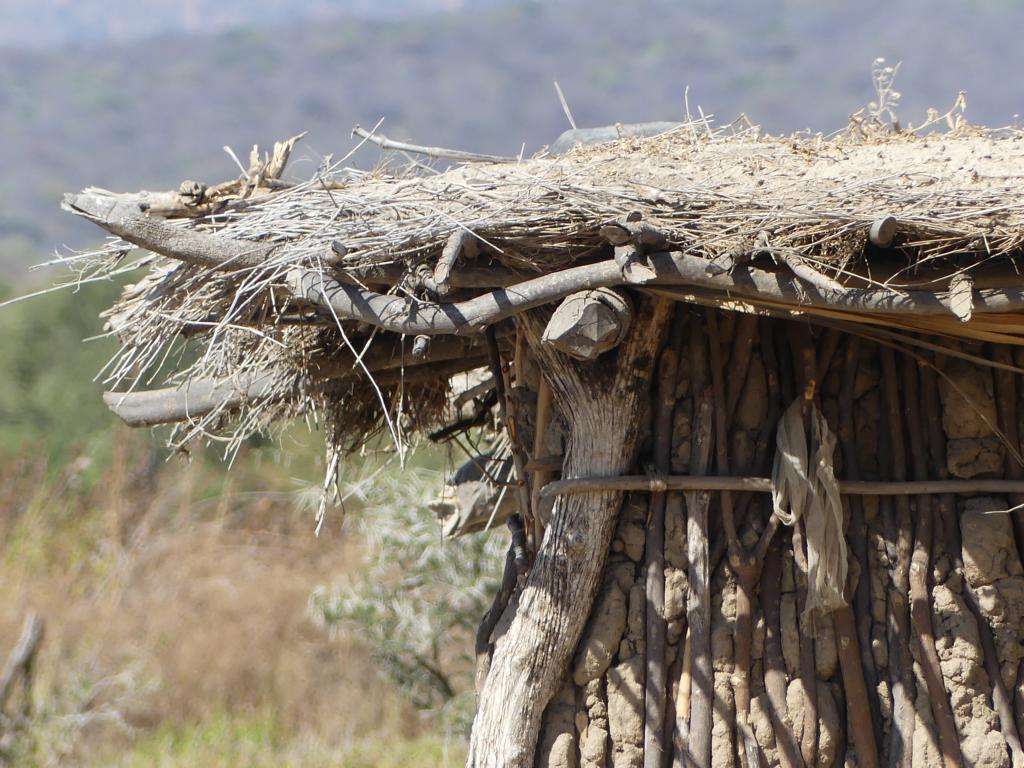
<point>698,604</point>
<point>654,553</point>
<point>743,565</point>
<point>853,625</point>
<point>774,665</point>
<point>803,359</point>
<point>541,477</point>
<point>896,518</point>
<point>509,423</point>
<point>920,568</point>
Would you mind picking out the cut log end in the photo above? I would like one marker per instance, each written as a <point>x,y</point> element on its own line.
<point>883,231</point>
<point>589,323</point>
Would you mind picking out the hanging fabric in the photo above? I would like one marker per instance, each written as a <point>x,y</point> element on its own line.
<point>804,487</point>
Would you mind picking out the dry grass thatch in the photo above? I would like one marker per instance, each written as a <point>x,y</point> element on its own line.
<point>270,299</point>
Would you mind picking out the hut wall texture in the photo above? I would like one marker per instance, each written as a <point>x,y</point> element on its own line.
<point>597,719</point>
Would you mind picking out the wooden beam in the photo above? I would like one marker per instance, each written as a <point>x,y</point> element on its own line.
<point>670,268</point>
<point>119,216</point>
<point>660,484</point>
<point>200,397</point>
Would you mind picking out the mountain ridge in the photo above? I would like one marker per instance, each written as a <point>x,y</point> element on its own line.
<point>153,112</point>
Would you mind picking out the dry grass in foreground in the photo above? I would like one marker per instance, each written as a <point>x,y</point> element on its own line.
<point>178,631</point>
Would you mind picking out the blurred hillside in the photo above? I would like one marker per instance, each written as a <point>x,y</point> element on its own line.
<point>49,23</point>
<point>127,115</point>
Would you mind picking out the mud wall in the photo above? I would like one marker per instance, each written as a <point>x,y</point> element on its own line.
<point>953,416</point>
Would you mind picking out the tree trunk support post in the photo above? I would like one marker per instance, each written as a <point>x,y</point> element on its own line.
<point>606,398</point>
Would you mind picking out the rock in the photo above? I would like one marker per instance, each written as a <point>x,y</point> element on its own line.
<point>723,613</point>
<point>597,707</point>
<point>831,730</point>
<point>968,400</point>
<point>594,747</point>
<point>790,634</point>
<point>676,588</point>
<point>968,457</point>
<point>826,655</point>
<point>989,550</point>
<point>625,712</point>
<point>761,723</point>
<point>993,567</point>
<point>723,718</point>
<point>681,428</point>
<point>959,648</point>
<point>983,745</point>
<point>673,635</point>
<point>631,530</point>
<point>1002,604</point>
<point>675,532</point>
<point>594,740</point>
<point>752,408</point>
<point>602,634</point>
<point>557,745</point>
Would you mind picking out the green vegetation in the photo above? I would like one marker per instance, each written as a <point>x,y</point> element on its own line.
<point>179,626</point>
<point>418,601</point>
<point>48,400</point>
<point>259,742</point>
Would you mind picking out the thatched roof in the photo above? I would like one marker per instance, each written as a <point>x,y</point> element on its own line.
<point>269,299</point>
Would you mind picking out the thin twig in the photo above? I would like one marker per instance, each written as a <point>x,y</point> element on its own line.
<point>384,142</point>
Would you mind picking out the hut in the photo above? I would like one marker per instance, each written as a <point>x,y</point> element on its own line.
<point>751,402</point>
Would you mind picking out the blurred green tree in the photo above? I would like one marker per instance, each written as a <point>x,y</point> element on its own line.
<point>49,400</point>
<point>418,601</point>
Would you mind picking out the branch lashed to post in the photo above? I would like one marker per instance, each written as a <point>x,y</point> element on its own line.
<point>531,656</point>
